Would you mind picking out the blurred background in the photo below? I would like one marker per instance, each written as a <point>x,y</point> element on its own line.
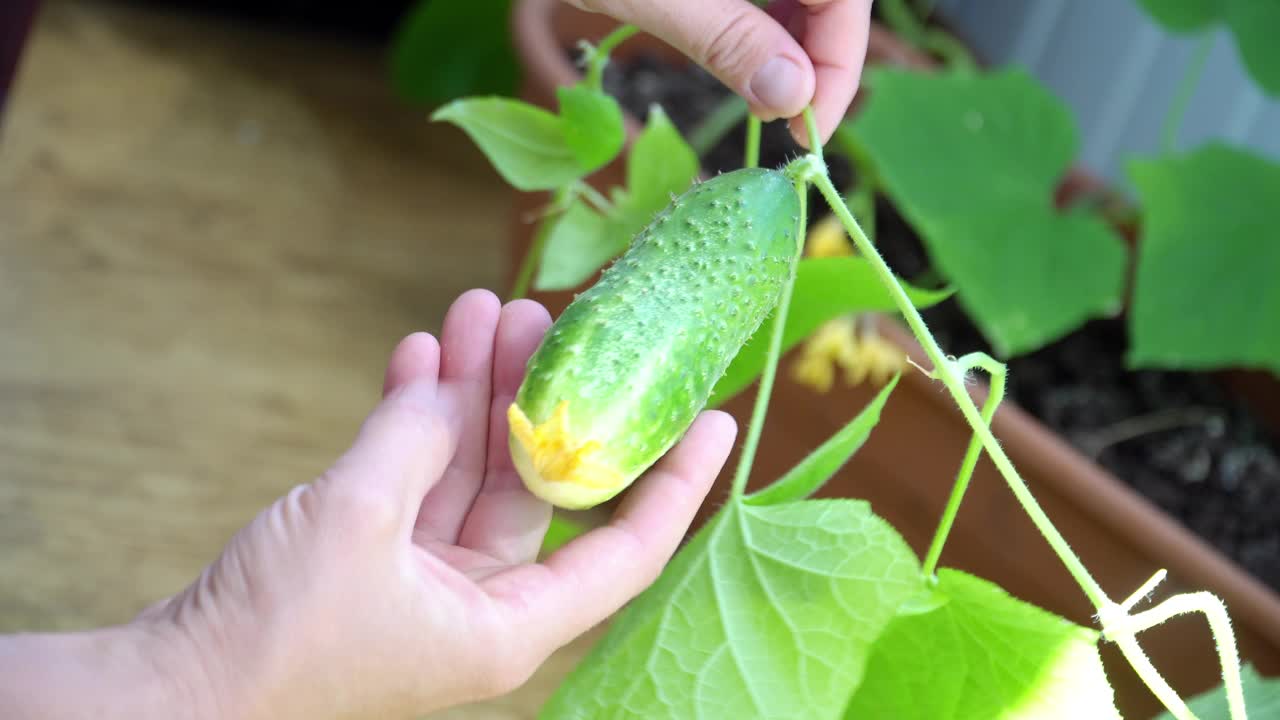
<point>217,218</point>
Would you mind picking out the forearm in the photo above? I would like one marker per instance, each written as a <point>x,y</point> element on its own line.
<point>131,671</point>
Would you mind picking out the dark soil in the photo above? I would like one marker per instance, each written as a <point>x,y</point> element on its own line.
<point>1177,437</point>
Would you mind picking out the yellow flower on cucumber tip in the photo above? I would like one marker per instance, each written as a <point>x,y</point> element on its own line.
<point>836,344</point>
<point>827,238</point>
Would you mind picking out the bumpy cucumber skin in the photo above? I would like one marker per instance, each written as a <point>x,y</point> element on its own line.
<point>637,355</point>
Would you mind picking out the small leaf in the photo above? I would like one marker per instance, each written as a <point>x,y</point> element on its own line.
<point>444,50</point>
<point>767,612</point>
<point>526,144</point>
<point>580,243</point>
<point>814,471</point>
<point>661,164</point>
<point>980,193</point>
<point>1255,24</point>
<point>592,125</point>
<point>825,288</point>
<point>1205,295</point>
<point>1261,699</point>
<point>983,654</point>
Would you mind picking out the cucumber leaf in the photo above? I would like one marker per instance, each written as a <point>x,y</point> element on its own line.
<point>581,241</point>
<point>973,161</point>
<point>592,125</point>
<point>826,288</point>
<point>1261,699</point>
<point>525,144</point>
<point>1205,295</point>
<point>983,654</point>
<point>444,50</point>
<point>768,611</point>
<point>660,165</point>
<point>816,469</point>
<point>1254,23</point>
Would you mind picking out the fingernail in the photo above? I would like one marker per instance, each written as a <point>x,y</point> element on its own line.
<point>777,84</point>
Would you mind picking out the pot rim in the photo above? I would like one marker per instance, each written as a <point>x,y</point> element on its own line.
<point>1030,443</point>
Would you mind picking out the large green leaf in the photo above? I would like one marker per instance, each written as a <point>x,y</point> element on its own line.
<point>1261,699</point>
<point>526,144</point>
<point>660,165</point>
<point>973,160</point>
<point>592,125</point>
<point>817,468</point>
<point>1206,294</point>
<point>983,654</point>
<point>826,288</point>
<point>444,50</point>
<point>1255,24</point>
<point>768,613</point>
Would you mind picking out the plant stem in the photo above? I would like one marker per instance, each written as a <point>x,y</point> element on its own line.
<point>945,371</point>
<point>862,200</point>
<point>815,138</point>
<point>761,408</point>
<point>998,374</point>
<point>599,56</point>
<point>532,259</point>
<point>1186,90</point>
<point>716,125</point>
<point>593,196</point>
<point>954,54</point>
<point>902,20</point>
<point>753,142</point>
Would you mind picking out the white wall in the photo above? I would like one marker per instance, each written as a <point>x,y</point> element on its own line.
<point>1119,72</point>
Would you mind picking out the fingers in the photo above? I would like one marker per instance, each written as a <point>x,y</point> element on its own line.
<point>835,38</point>
<point>402,448</point>
<point>506,521</point>
<point>416,357</point>
<point>466,370</point>
<point>595,575</point>
<point>736,41</point>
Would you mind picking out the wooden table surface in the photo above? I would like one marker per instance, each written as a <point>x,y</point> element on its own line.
<point>210,239</point>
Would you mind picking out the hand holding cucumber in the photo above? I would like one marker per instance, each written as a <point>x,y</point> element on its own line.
<point>754,51</point>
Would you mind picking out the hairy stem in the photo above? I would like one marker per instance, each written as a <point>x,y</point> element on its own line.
<point>717,124</point>
<point>815,138</point>
<point>1223,638</point>
<point>945,370</point>
<point>753,142</point>
<point>862,200</point>
<point>998,374</point>
<point>1186,89</point>
<point>761,408</point>
<point>598,57</point>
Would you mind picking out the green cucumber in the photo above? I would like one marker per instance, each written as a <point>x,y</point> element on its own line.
<point>626,368</point>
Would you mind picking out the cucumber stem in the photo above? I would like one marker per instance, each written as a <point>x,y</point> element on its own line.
<point>761,408</point>
<point>998,374</point>
<point>945,370</point>
<point>598,57</point>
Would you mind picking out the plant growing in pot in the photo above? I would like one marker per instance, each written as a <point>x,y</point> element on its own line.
<point>1118,534</point>
<point>848,604</point>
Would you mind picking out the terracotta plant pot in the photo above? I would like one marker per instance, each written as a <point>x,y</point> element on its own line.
<point>907,467</point>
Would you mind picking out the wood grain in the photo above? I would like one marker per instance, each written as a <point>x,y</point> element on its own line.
<point>210,239</point>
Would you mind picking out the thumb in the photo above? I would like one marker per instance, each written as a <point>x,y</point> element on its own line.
<point>738,42</point>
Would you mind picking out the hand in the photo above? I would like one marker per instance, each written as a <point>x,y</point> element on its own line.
<point>754,53</point>
<point>402,580</point>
